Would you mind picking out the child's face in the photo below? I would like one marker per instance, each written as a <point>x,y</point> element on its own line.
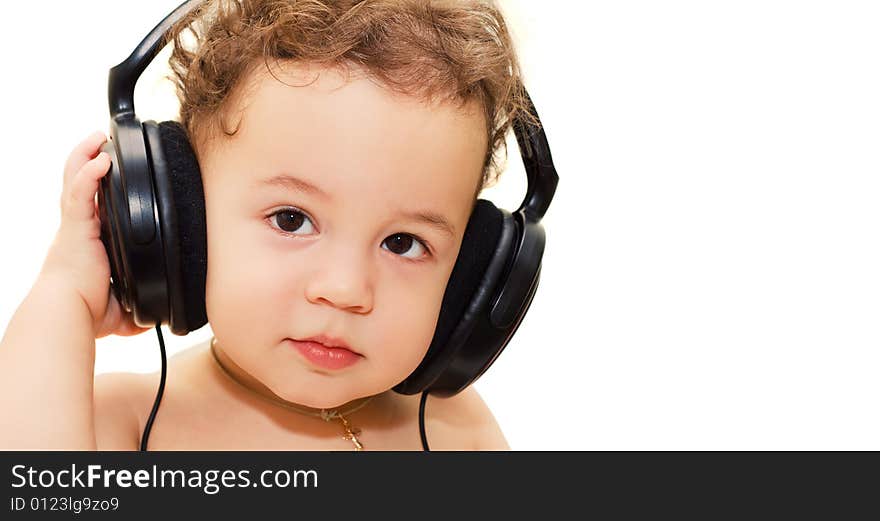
<point>349,265</point>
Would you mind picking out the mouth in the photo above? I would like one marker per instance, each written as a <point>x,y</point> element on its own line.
<point>326,356</point>
<point>328,341</point>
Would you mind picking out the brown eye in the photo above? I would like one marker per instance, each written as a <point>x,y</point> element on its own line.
<point>288,220</point>
<point>400,243</point>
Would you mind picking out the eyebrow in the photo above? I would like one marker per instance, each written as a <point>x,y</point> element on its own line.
<point>289,182</point>
<point>296,184</point>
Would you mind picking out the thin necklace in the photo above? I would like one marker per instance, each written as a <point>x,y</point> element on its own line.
<point>325,414</point>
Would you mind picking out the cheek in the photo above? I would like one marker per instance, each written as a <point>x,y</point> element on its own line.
<point>243,283</point>
<point>408,328</point>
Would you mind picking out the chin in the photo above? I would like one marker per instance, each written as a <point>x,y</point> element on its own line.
<point>323,401</point>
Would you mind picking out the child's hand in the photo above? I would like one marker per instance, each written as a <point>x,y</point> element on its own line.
<point>77,256</point>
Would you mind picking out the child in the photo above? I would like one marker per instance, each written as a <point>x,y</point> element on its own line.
<point>342,146</point>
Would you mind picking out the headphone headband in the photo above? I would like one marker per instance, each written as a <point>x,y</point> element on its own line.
<point>538,162</point>
<point>124,76</point>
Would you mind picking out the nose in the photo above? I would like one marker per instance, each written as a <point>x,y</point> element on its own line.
<point>343,282</point>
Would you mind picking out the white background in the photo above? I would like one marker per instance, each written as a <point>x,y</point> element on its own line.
<point>711,273</point>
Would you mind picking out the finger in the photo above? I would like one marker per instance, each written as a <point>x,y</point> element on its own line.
<point>111,316</point>
<point>79,203</point>
<point>86,150</point>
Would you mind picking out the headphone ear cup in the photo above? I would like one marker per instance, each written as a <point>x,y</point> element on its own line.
<point>467,293</point>
<point>181,200</point>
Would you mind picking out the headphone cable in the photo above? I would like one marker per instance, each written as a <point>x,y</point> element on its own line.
<point>422,421</point>
<point>149,425</point>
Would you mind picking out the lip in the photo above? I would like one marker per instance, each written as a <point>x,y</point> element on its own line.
<point>327,341</point>
<point>326,357</point>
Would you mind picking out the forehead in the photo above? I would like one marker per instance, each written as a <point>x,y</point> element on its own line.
<point>347,134</point>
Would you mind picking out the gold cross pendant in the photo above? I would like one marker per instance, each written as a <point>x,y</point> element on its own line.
<point>351,434</point>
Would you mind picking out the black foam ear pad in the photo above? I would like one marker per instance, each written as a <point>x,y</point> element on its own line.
<point>191,234</point>
<point>478,247</point>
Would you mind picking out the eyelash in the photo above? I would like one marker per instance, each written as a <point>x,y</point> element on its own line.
<point>425,245</point>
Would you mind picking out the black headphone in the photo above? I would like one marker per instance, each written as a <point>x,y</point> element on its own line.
<point>152,212</point>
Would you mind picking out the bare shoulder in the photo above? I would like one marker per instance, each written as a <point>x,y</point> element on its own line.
<point>462,422</point>
<point>123,401</point>
<point>116,424</point>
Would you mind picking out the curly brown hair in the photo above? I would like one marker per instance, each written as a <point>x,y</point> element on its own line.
<point>457,51</point>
